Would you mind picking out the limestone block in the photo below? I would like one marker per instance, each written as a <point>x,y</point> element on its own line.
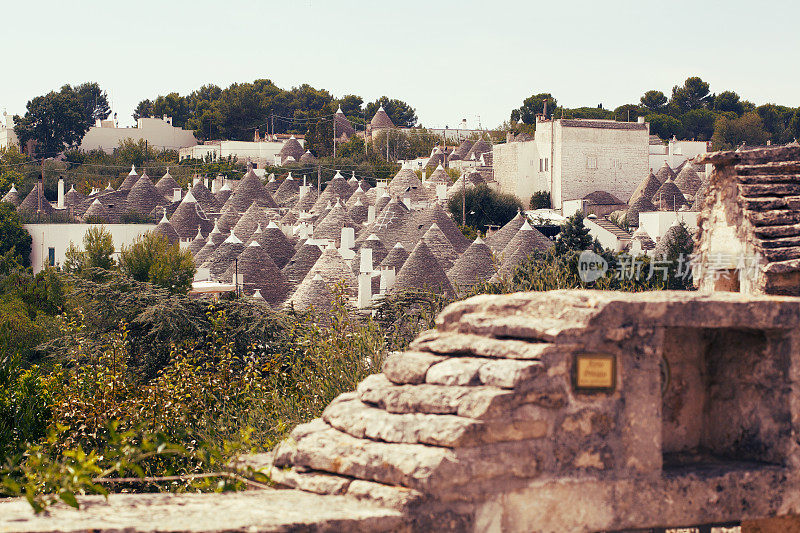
<point>309,481</point>
<point>458,344</point>
<point>455,371</point>
<point>399,498</point>
<point>409,367</point>
<point>509,374</point>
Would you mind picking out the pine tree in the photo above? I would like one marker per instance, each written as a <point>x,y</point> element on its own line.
<point>574,236</point>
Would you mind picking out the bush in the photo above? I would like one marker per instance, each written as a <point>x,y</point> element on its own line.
<point>540,200</point>
<point>484,207</point>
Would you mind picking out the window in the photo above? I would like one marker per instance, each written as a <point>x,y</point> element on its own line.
<point>591,162</point>
<point>541,165</point>
<point>51,256</point>
<point>546,161</point>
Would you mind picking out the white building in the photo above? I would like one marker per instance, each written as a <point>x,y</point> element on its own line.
<point>570,158</point>
<point>50,241</point>
<point>7,135</point>
<point>158,132</point>
<point>675,152</point>
<point>261,153</point>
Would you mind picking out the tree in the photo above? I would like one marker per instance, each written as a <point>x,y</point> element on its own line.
<point>55,121</point>
<point>15,241</point>
<point>665,126</point>
<point>143,109</point>
<point>151,258</point>
<point>484,207</point>
<point>98,251</point>
<point>795,124</point>
<point>747,129</point>
<point>694,94</point>
<point>540,200</point>
<point>680,247</point>
<point>534,105</point>
<point>172,105</point>
<point>655,101</point>
<point>627,113</point>
<point>11,166</point>
<point>402,114</point>
<point>698,124</point>
<point>728,101</point>
<point>94,101</point>
<point>574,236</point>
<point>351,107</point>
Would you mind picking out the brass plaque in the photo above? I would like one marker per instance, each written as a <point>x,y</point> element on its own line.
<point>595,372</point>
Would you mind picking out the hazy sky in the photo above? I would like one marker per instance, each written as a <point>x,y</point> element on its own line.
<point>448,59</point>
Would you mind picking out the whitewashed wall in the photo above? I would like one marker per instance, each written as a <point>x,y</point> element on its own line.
<point>59,236</point>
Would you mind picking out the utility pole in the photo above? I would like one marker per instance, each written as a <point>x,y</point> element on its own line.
<point>464,199</point>
<point>319,180</point>
<point>334,137</point>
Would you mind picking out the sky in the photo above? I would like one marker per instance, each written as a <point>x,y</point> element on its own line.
<point>451,60</point>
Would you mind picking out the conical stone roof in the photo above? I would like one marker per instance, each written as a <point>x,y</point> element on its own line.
<point>342,126</point>
<point>144,197</point>
<point>275,243</point>
<point>462,150</point>
<point>12,196</point>
<point>73,198</point>
<point>228,218</point>
<point>336,189</point>
<point>644,240</point>
<point>529,239</point>
<point>333,269</point>
<point>301,262</point>
<point>249,190</point>
<point>665,173</point>
<point>97,212</point>
<point>404,180</point>
<point>475,265</point>
<point>272,185</point>
<point>207,201</point>
<point>223,194</point>
<point>646,189</point>
<point>31,202</point>
<point>197,243</point>
<point>467,181</point>
<point>167,185</point>
<point>307,201</point>
<point>440,247</point>
<point>669,197</point>
<point>130,180</point>
<point>288,192</point>
<point>330,227</point>
<point>389,223</point>
<point>166,229</point>
<point>421,221</point>
<point>642,205</point>
<point>700,196</point>
<point>223,256</point>
<point>422,271</point>
<point>215,238</point>
<point>188,217</point>
<point>314,295</point>
<point>291,148</point>
<point>396,258</point>
<point>358,213</point>
<point>257,271</point>
<point>670,236</point>
<point>688,181</point>
<point>478,148</point>
<point>255,215</point>
<point>498,240</point>
<point>358,194</point>
<point>382,202</point>
<point>381,120</point>
<point>308,158</point>
<point>379,253</point>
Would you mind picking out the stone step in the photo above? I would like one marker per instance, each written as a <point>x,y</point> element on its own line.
<point>449,343</point>
<point>428,469</point>
<point>479,402</point>
<point>350,415</point>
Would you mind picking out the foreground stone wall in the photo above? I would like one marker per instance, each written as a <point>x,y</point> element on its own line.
<point>482,425</point>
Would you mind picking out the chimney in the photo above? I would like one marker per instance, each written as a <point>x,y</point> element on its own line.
<point>60,204</point>
<point>370,214</point>
<point>407,202</point>
<point>640,120</point>
<point>364,290</point>
<point>177,194</point>
<point>441,191</point>
<point>205,182</point>
<point>365,267</point>
<point>348,238</point>
<point>424,175</point>
<point>388,276</point>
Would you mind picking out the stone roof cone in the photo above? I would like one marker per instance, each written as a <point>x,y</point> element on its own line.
<point>214,239</point>
<point>259,272</point>
<point>330,227</point>
<point>669,197</point>
<point>308,158</point>
<point>207,201</point>
<point>307,201</point>
<point>420,271</point>
<point>291,148</point>
<point>475,265</point>
<point>272,239</point>
<point>341,125</point>
<point>12,196</point>
<point>333,269</point>
<point>404,180</point>
<point>223,194</point>
<point>97,212</point>
<point>197,244</point>
<point>688,181</point>
<point>440,247</point>
<point>336,188</point>
<point>73,198</point>
<point>646,189</point>
<point>389,223</point>
<point>421,221</point>
<point>358,213</point>
<point>223,256</point>
<point>642,205</point>
<point>379,253</point>
<point>255,216</point>
<point>358,194</point>
<point>498,240</point>
<point>166,229</point>
<point>167,185</point>
<point>249,190</point>
<point>31,202</point>
<point>527,241</point>
<point>396,258</point>
<point>288,192</point>
<point>143,197</point>
<point>312,294</point>
<point>665,173</point>
<point>301,262</point>
<point>381,120</point>
<point>229,216</point>
<point>189,216</point>
<point>130,180</point>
